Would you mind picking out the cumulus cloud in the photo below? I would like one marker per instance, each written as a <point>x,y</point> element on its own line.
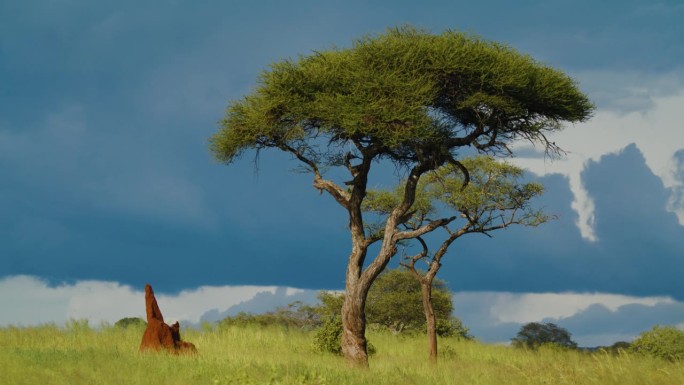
<point>29,301</point>
<point>533,307</point>
<point>655,131</point>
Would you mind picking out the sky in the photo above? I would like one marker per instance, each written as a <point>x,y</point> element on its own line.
<point>107,183</point>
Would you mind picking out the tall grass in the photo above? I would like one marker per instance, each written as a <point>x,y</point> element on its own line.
<point>79,355</point>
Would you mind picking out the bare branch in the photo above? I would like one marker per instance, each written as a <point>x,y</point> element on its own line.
<point>337,192</point>
<point>423,229</point>
<point>415,258</point>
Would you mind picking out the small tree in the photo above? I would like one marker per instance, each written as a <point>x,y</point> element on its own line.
<point>665,342</point>
<point>407,97</point>
<point>395,301</point>
<point>489,197</point>
<point>535,334</point>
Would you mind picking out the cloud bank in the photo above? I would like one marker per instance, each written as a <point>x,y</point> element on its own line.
<point>593,318</point>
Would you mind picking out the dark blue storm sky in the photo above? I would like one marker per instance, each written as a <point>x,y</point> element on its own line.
<point>106,109</point>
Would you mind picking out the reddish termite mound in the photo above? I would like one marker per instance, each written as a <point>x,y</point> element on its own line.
<point>159,335</point>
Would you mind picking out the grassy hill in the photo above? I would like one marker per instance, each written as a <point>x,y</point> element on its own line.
<point>238,355</point>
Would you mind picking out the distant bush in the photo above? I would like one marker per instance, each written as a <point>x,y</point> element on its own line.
<point>615,349</point>
<point>665,342</point>
<point>131,322</point>
<point>534,334</point>
<point>296,315</point>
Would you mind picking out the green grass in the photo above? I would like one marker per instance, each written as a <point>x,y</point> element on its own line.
<point>78,355</point>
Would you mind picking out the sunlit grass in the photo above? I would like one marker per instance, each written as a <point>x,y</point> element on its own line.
<point>79,355</point>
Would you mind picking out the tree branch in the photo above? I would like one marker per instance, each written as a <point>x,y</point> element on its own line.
<point>337,192</point>
<point>423,229</point>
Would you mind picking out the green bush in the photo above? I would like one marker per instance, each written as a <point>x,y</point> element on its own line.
<point>665,342</point>
<point>453,327</point>
<point>328,338</point>
<point>131,322</point>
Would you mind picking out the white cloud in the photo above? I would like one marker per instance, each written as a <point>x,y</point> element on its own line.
<point>28,301</point>
<point>523,308</point>
<point>656,131</point>
<point>189,305</point>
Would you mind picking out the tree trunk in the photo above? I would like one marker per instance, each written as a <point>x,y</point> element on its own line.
<point>354,308</point>
<point>431,321</point>
<point>354,327</point>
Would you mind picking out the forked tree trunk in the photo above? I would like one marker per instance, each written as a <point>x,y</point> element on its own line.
<point>431,320</point>
<point>358,284</point>
<point>354,327</point>
<point>358,280</point>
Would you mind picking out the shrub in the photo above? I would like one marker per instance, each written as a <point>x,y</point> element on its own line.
<point>328,338</point>
<point>665,342</point>
<point>453,327</point>
<point>131,322</point>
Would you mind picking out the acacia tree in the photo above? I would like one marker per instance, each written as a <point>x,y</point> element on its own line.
<point>408,97</point>
<point>494,199</point>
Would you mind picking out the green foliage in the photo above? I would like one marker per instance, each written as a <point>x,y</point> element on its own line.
<point>133,322</point>
<point>453,327</point>
<point>296,315</point>
<point>327,338</point>
<point>407,91</point>
<point>495,189</point>
<point>494,195</point>
<point>395,301</point>
<point>330,305</point>
<point>665,342</point>
<point>534,335</point>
